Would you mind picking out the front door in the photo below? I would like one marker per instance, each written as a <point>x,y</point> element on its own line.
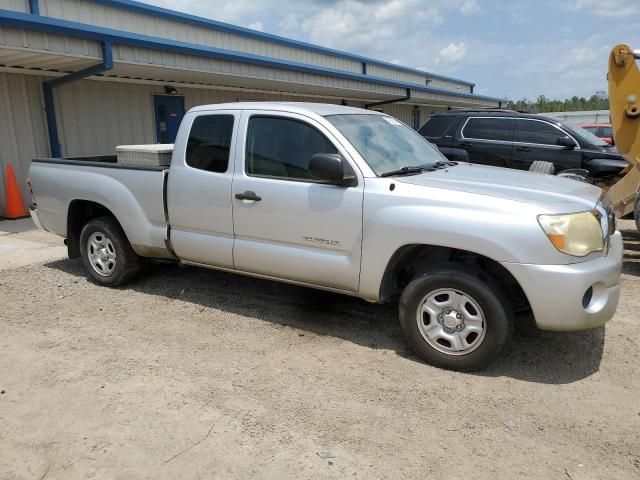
<point>286,224</point>
<point>488,140</point>
<point>169,110</point>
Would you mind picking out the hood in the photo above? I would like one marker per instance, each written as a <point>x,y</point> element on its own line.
<point>557,194</point>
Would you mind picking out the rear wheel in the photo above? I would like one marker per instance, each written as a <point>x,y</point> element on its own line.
<point>456,317</point>
<point>546,168</point>
<point>107,254</point>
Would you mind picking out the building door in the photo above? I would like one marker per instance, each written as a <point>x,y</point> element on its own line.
<point>169,110</point>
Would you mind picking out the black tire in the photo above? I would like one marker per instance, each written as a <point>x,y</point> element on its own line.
<point>122,263</point>
<point>487,293</point>
<point>546,168</point>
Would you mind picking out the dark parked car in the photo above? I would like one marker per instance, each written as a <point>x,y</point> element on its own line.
<point>506,138</point>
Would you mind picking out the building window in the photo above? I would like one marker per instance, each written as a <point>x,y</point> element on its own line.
<point>281,147</point>
<point>209,143</point>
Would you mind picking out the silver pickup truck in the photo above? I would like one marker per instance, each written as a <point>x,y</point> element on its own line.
<point>351,201</point>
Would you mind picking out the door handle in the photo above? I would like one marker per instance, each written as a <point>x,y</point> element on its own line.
<point>248,197</point>
<point>465,144</point>
<point>523,149</point>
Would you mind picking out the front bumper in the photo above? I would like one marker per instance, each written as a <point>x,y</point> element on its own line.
<point>558,294</point>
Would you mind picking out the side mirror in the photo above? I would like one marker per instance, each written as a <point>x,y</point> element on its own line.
<point>566,142</point>
<point>330,168</point>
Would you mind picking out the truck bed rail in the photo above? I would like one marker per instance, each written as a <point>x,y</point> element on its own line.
<point>101,161</point>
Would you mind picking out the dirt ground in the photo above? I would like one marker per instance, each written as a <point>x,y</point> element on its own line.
<point>191,373</point>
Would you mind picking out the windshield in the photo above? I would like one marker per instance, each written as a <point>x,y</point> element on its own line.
<point>585,136</point>
<point>385,143</point>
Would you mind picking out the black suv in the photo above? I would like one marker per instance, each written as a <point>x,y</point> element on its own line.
<point>506,138</point>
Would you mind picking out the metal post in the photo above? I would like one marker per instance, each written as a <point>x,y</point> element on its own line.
<point>49,101</point>
<point>34,7</point>
<point>386,102</point>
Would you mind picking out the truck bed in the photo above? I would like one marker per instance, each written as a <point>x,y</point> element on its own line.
<point>134,194</point>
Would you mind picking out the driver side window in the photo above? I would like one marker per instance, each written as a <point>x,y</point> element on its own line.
<point>537,132</point>
<point>281,148</point>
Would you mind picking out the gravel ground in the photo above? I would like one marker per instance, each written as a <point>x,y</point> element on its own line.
<point>191,373</point>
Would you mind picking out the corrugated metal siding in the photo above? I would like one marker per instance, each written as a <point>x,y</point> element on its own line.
<point>195,97</point>
<point>132,55</point>
<point>23,128</point>
<point>404,76</point>
<point>452,100</point>
<point>95,116</point>
<point>400,75</point>
<point>15,5</point>
<point>44,42</point>
<point>94,14</point>
<point>590,116</point>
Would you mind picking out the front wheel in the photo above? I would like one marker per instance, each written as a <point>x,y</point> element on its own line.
<point>107,254</point>
<point>456,317</point>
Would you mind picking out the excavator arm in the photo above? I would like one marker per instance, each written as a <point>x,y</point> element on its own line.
<point>624,102</point>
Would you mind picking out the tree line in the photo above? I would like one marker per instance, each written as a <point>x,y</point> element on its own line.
<point>597,101</point>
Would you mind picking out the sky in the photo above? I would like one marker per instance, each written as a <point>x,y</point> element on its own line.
<point>511,49</point>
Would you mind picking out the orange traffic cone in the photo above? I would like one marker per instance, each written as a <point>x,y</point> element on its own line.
<point>14,202</point>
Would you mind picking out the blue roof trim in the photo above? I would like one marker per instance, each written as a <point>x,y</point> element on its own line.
<point>165,13</point>
<point>117,37</point>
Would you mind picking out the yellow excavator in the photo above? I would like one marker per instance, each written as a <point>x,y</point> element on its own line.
<point>624,103</point>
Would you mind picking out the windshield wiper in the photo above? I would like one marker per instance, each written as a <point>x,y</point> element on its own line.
<point>405,171</point>
<point>423,168</point>
<point>443,164</point>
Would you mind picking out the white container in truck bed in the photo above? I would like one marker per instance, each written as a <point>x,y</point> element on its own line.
<point>145,155</point>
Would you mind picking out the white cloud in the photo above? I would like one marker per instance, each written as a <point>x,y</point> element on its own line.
<point>469,6</point>
<point>608,8</point>
<point>452,53</point>
<point>256,26</point>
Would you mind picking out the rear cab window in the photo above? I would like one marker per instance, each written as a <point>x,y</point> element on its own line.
<point>484,128</point>
<point>209,143</point>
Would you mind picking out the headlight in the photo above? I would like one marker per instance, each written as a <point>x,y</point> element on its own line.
<point>577,234</point>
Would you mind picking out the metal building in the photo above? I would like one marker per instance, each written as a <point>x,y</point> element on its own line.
<point>588,116</point>
<point>78,77</point>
